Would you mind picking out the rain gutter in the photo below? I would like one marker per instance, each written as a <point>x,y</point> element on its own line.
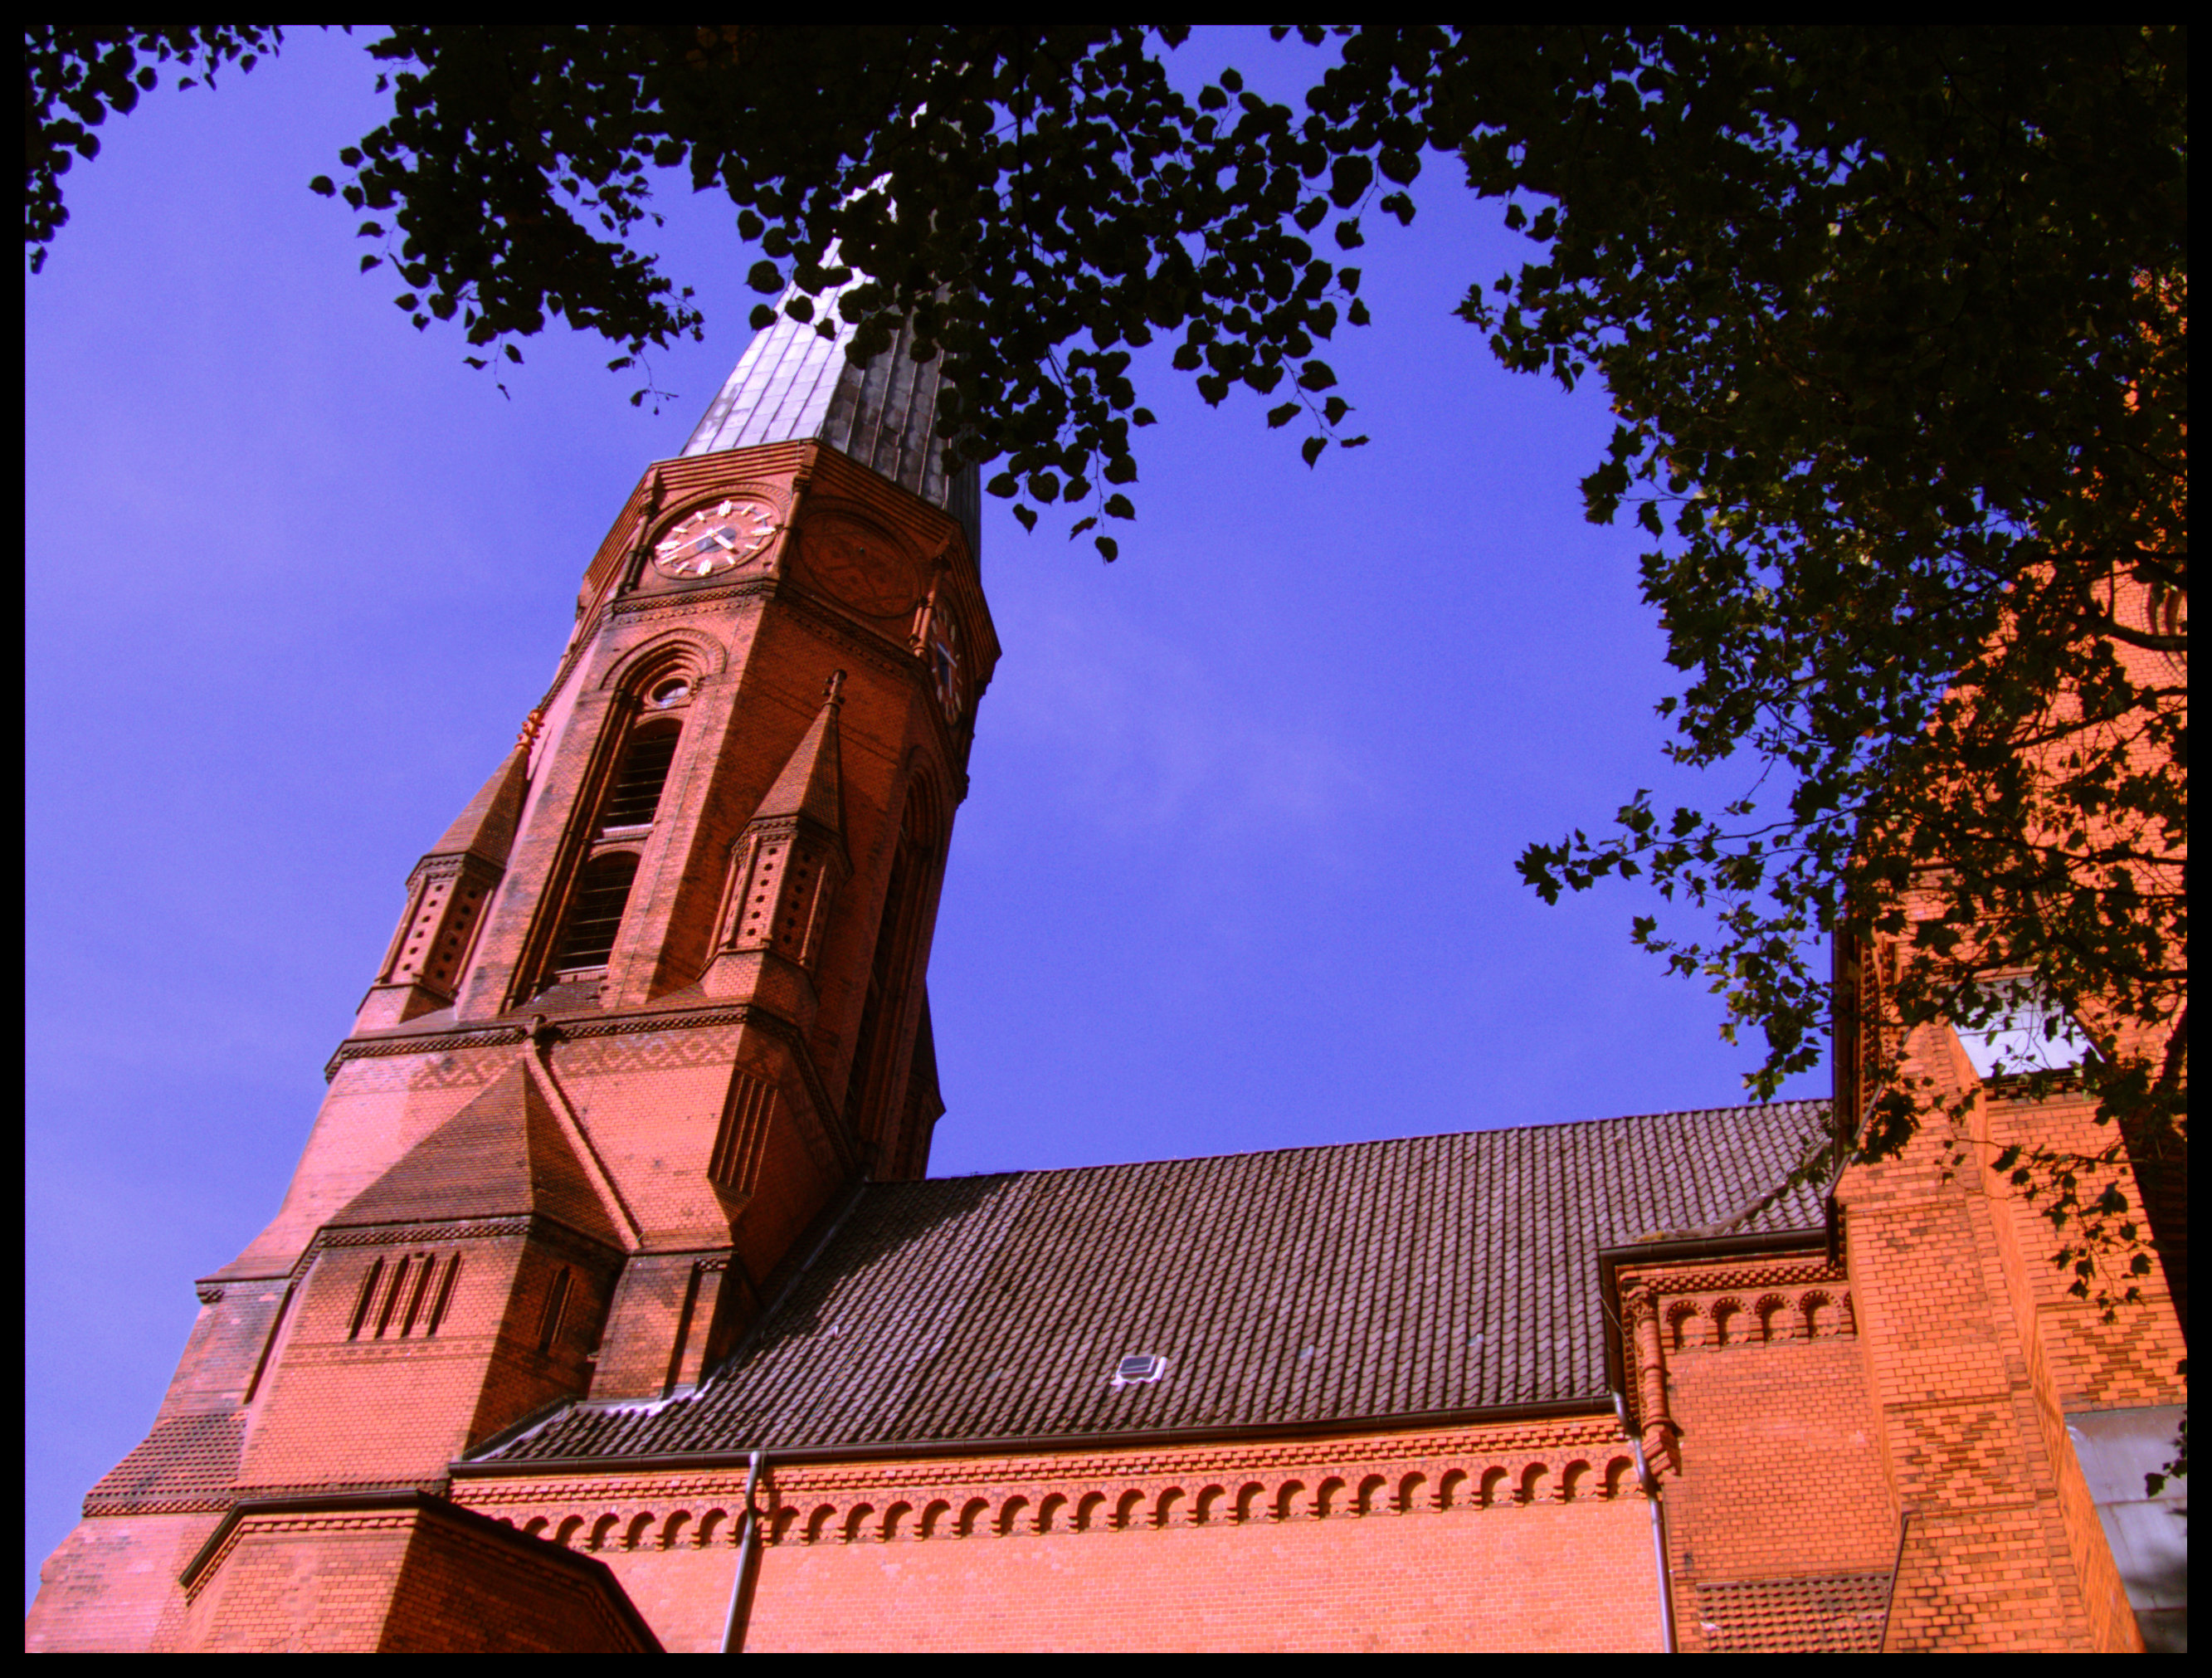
<point>1593,1406</point>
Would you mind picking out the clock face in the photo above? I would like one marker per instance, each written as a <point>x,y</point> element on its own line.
<point>945,664</point>
<point>715,538</point>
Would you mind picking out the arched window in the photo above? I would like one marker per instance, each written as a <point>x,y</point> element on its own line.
<point>595,917</point>
<point>635,794</point>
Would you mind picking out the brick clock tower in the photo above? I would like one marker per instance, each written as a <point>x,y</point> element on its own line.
<point>654,1009</point>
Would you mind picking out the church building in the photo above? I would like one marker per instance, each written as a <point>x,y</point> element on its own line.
<point>612,1307</point>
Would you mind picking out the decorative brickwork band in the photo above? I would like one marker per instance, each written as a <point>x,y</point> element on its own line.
<point>1114,1490</point>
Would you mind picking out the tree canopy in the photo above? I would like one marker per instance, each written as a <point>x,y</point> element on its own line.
<point>1894,322</point>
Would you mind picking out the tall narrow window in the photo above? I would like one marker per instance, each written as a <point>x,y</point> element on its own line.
<point>879,1012</point>
<point>422,1293</point>
<point>596,916</point>
<point>557,1303</point>
<point>445,1298</point>
<point>368,1298</point>
<point>890,972</point>
<point>391,1300</point>
<point>635,794</point>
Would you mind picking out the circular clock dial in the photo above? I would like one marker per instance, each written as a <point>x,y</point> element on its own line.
<point>715,538</point>
<point>945,664</point>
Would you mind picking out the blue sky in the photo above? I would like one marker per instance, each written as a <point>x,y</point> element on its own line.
<point>1236,871</point>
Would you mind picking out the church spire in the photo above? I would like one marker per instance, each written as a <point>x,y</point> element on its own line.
<point>793,384</point>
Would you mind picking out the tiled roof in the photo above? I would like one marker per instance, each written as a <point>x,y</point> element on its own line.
<point>487,826</point>
<point>186,1462</point>
<point>501,1154</point>
<point>1825,1614</point>
<point>793,384</point>
<point>1306,1284</point>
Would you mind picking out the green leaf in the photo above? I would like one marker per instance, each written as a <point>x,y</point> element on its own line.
<point>1309,450</point>
<point>1284,415</point>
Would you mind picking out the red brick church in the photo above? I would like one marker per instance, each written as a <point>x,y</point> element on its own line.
<point>611,1306</point>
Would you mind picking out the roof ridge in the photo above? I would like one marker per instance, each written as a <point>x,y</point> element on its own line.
<point>1370,1142</point>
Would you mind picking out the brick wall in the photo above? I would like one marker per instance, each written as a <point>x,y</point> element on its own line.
<point>413,1578</point>
<point>111,1582</point>
<point>1948,1278</point>
<point>1529,1537</point>
<point>1543,1576</point>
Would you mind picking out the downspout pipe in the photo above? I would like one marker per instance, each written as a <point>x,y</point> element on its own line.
<point>733,1623</point>
<point>1896,1567</point>
<point>1658,1525</point>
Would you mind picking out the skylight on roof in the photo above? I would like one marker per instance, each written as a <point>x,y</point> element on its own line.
<point>1139,1366</point>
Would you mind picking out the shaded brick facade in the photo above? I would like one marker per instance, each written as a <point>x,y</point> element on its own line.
<point>619,1195</point>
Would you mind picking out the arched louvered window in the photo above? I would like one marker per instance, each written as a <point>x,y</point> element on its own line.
<point>636,795</point>
<point>596,915</point>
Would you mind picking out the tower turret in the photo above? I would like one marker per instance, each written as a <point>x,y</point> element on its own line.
<point>446,895</point>
<point>655,1004</point>
<point>785,870</point>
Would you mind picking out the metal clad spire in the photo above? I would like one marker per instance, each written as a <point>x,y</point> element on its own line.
<point>792,385</point>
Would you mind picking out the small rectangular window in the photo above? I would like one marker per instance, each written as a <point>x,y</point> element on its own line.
<point>2021,1030</point>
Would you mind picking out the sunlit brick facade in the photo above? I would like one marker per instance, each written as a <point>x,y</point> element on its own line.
<point>612,1307</point>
